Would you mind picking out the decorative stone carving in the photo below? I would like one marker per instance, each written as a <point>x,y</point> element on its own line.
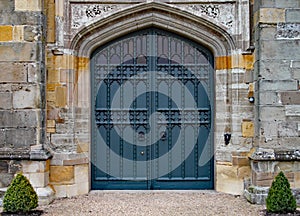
<point>209,10</point>
<point>85,14</point>
<point>217,13</point>
<point>288,31</point>
<point>97,10</point>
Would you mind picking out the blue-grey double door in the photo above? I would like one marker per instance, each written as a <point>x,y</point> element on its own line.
<point>152,113</point>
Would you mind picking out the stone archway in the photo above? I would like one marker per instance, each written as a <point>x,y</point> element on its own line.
<point>139,17</point>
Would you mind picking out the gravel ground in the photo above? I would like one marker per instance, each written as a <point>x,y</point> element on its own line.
<point>152,203</point>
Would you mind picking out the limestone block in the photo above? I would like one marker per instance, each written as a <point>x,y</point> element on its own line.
<point>7,5</point>
<point>60,191</point>
<point>27,97</point>
<point>244,172</point>
<point>5,100</point>
<point>268,98</point>
<point>292,15</point>
<point>272,113</point>
<point>62,174</point>
<point>83,63</point>
<point>2,138</point>
<point>289,142</point>
<point>290,98</point>
<point>83,188</point>
<point>271,15</point>
<point>227,180</point>
<point>45,195</point>
<point>50,12</point>
<point>64,62</point>
<point>288,129</point>
<point>51,123</point>
<point>18,33</point>
<point>67,127</point>
<point>266,33</point>
<point>6,118</point>
<point>81,173</point>
<point>6,33</point>
<point>52,87</point>
<point>278,50</point>
<point>248,129</point>
<point>26,118</point>
<point>21,138</point>
<point>18,51</point>
<point>38,180</point>
<point>28,5</point>
<point>278,85</point>
<point>82,147</point>
<point>62,139</point>
<point>274,68</point>
<point>13,72</point>
<point>77,189</point>
<point>240,161</point>
<point>287,4</point>
<point>35,166</point>
<point>72,190</point>
<point>292,110</point>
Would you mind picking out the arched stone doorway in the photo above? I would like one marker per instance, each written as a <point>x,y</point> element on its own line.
<point>157,16</point>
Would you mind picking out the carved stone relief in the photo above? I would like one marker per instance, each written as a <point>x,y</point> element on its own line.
<point>222,14</point>
<point>288,31</point>
<point>217,13</point>
<point>85,14</point>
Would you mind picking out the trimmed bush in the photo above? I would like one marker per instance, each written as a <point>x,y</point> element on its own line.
<point>20,196</point>
<point>280,198</point>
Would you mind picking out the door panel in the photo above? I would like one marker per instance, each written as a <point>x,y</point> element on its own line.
<point>152,103</point>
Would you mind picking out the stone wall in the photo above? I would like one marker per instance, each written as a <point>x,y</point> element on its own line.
<point>76,28</point>
<point>22,93</point>
<point>45,101</point>
<point>276,74</point>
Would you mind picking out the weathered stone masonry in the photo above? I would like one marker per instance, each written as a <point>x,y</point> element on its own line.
<point>276,78</point>
<point>22,95</point>
<point>45,49</point>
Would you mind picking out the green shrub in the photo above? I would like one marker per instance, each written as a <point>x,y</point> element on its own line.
<point>20,196</point>
<point>280,198</point>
